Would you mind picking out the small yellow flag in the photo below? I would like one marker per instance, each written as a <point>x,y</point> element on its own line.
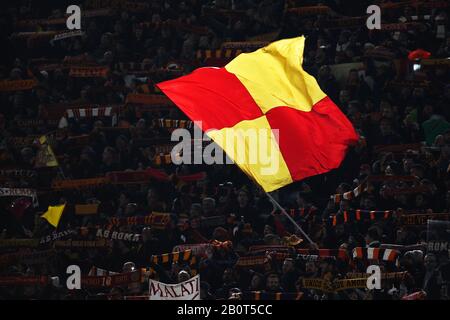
<point>53,214</point>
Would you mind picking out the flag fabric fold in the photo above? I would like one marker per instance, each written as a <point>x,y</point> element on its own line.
<point>268,90</point>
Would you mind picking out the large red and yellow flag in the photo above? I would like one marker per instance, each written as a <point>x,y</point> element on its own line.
<point>267,90</point>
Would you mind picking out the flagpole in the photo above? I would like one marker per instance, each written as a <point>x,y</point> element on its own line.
<point>290,219</point>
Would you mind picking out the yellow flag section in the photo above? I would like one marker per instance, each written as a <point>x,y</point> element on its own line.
<point>274,76</point>
<point>53,214</point>
<point>253,146</point>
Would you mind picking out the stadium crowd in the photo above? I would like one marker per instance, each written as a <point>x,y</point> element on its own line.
<point>377,203</point>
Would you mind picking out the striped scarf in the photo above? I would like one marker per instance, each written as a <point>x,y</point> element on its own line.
<point>334,286</point>
<point>174,257</point>
<point>422,219</point>
<point>400,26</point>
<point>397,148</point>
<point>116,235</point>
<point>309,10</point>
<point>258,295</point>
<point>62,21</point>
<point>408,83</point>
<point>363,187</point>
<point>99,272</point>
<point>396,276</point>
<point>78,183</point>
<point>69,34</point>
<point>358,215</point>
<point>66,244</point>
<point>351,22</point>
<point>218,54</point>
<point>112,280</point>
<point>423,18</point>
<point>350,195</point>
<point>435,62</point>
<point>157,220</point>
<point>301,212</point>
<point>24,280</point>
<point>199,250</point>
<point>20,142</point>
<point>260,262</point>
<point>34,123</point>
<point>19,243</point>
<point>246,46</point>
<point>163,148</point>
<point>163,159</point>
<point>263,249</point>
<point>208,222</point>
<point>57,236</point>
<point>167,259</point>
<point>389,255</point>
<point>169,123</point>
<point>89,112</point>
<point>148,99</point>
<point>17,85</point>
<point>81,59</point>
<point>88,72</point>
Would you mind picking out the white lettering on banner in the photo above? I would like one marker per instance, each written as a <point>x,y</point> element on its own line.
<point>187,290</point>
